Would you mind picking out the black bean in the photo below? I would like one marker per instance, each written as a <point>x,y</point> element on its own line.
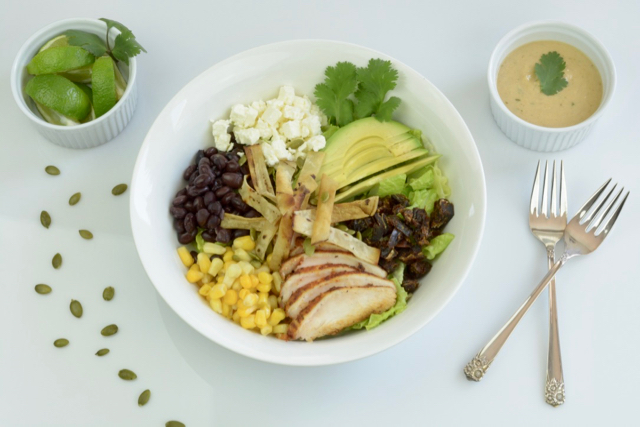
<point>190,222</point>
<point>181,192</point>
<point>205,169</point>
<point>232,167</point>
<point>204,161</point>
<point>194,255</point>
<point>188,171</point>
<point>217,183</point>
<point>252,213</point>
<point>178,224</point>
<point>209,197</point>
<point>200,181</point>
<point>245,169</point>
<point>199,155</point>
<point>233,157</point>
<point>214,207</point>
<point>219,160</point>
<point>185,238</point>
<point>180,200</point>
<point>223,235</point>
<point>221,214</point>
<point>177,212</point>
<point>193,177</point>
<point>240,233</point>
<point>202,216</point>
<point>189,206</point>
<point>198,203</point>
<point>192,191</point>
<point>238,204</point>
<point>233,180</point>
<point>208,236</point>
<point>213,222</point>
<point>226,199</point>
<point>222,191</point>
<point>210,151</point>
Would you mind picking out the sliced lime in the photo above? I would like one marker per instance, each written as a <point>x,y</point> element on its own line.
<point>57,41</point>
<point>103,84</point>
<point>59,59</point>
<point>121,83</point>
<point>54,117</point>
<point>60,95</point>
<point>79,75</point>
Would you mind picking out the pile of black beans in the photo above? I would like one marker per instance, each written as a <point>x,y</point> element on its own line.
<point>212,190</point>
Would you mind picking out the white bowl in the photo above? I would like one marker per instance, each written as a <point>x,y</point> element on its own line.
<point>183,127</point>
<point>540,138</point>
<point>86,135</point>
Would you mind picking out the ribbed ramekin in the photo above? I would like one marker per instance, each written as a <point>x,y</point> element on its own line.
<point>536,137</point>
<point>86,135</point>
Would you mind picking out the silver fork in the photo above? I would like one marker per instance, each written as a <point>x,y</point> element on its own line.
<point>580,239</point>
<point>549,228</point>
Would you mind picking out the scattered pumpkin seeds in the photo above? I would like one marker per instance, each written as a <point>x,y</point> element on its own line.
<point>86,234</point>
<point>43,289</point>
<point>174,424</point>
<point>144,397</point>
<point>76,308</point>
<point>119,189</point>
<point>102,352</point>
<point>325,196</point>
<point>109,330</point>
<point>128,375</point>
<point>75,198</point>
<point>52,170</point>
<point>56,261</point>
<point>45,219</point>
<point>61,342</point>
<point>108,293</point>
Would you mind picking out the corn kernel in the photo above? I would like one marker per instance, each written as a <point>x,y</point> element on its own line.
<point>185,256</point>
<point>232,273</point>
<point>228,256</point>
<point>264,268</point>
<point>204,262</point>
<point>277,282</point>
<point>263,298</point>
<point>213,249</point>
<point>250,300</point>
<point>260,319</point>
<point>246,267</point>
<point>207,278</point>
<point>245,243</point>
<point>244,312</point>
<point>217,291</point>
<point>269,259</point>
<point>266,330</point>
<point>243,293</point>
<point>216,305</point>
<point>264,288</point>
<point>248,322</point>
<point>194,274</point>
<point>276,317</point>
<point>241,255</point>
<point>231,297</point>
<point>254,281</point>
<point>273,302</point>
<point>236,286</point>
<point>280,329</point>
<point>265,278</point>
<point>266,308</point>
<point>227,264</point>
<point>236,317</point>
<point>220,278</point>
<point>226,310</point>
<point>245,281</point>
<point>216,266</point>
<point>204,290</point>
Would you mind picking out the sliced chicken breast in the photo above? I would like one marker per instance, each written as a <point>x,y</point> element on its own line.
<point>322,257</point>
<point>304,276</point>
<point>307,293</point>
<point>338,308</point>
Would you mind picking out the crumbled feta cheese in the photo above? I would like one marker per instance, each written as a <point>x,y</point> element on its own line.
<point>223,142</point>
<point>302,102</point>
<point>293,113</point>
<point>269,154</point>
<point>248,136</point>
<point>259,106</point>
<point>291,129</point>
<point>220,127</point>
<point>287,94</point>
<point>265,130</point>
<point>276,103</point>
<point>280,149</point>
<point>271,115</point>
<point>312,123</point>
<point>243,116</point>
<point>316,143</point>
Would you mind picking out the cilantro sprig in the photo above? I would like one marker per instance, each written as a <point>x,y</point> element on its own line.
<point>125,45</point>
<point>550,73</point>
<point>345,83</point>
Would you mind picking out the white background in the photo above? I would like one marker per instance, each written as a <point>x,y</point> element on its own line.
<point>418,382</point>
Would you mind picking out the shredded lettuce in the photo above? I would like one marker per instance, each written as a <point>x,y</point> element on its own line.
<point>440,183</point>
<point>423,181</point>
<point>424,199</point>
<point>392,185</point>
<point>401,303</point>
<point>200,240</point>
<point>437,245</point>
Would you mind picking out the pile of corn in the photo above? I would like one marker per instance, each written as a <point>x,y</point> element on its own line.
<point>238,286</point>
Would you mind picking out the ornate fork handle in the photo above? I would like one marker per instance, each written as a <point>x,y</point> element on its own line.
<point>478,366</point>
<point>554,386</point>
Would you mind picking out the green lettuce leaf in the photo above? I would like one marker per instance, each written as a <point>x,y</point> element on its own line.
<point>424,181</point>
<point>440,183</point>
<point>437,245</point>
<point>424,199</point>
<point>391,185</point>
<point>200,240</point>
<point>329,131</point>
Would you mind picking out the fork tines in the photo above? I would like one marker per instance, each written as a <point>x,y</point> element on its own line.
<point>593,214</point>
<point>534,208</point>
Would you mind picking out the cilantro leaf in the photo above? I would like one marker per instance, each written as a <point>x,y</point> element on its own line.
<point>550,73</point>
<point>332,95</point>
<point>88,41</point>
<point>111,23</point>
<point>126,47</point>
<point>378,78</point>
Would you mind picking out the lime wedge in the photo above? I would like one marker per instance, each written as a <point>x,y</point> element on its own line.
<point>57,41</point>
<point>60,95</point>
<point>79,75</point>
<point>54,117</point>
<point>121,83</point>
<point>103,84</point>
<point>58,59</point>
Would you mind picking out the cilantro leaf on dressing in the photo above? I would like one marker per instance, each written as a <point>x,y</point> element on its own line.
<point>550,73</point>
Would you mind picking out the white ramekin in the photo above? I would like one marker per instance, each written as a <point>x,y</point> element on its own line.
<point>86,135</point>
<point>536,137</point>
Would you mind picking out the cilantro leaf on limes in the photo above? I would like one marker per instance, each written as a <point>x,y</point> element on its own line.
<point>550,73</point>
<point>88,41</point>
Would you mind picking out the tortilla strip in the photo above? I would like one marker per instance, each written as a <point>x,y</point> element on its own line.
<point>308,178</point>
<point>322,223</point>
<point>265,238</point>
<point>232,221</point>
<point>283,241</point>
<point>259,172</point>
<point>284,189</point>
<point>360,249</point>
<point>259,203</point>
<point>347,211</point>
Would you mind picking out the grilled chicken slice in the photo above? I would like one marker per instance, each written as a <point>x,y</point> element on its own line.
<point>338,308</point>
<point>304,276</point>
<point>322,258</point>
<point>307,293</point>
<point>322,246</point>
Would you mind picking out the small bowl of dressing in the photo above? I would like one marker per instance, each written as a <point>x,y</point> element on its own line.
<point>549,83</point>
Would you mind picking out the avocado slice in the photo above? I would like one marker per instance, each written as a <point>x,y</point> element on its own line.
<point>370,182</point>
<point>367,146</point>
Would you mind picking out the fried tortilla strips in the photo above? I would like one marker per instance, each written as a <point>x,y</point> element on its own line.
<point>235,221</point>
<point>322,223</point>
<point>347,211</point>
<point>259,172</point>
<point>259,203</point>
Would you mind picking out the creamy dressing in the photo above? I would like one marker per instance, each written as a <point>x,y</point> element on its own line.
<point>519,87</point>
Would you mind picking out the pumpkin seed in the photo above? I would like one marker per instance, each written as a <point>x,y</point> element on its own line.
<point>108,293</point>
<point>126,374</point>
<point>325,197</point>
<point>86,234</point>
<point>52,170</point>
<point>102,352</point>
<point>56,261</point>
<point>309,249</point>
<point>358,235</point>
<point>61,342</point>
<point>76,308</point>
<point>255,264</point>
<point>45,219</point>
<point>174,424</point>
<point>119,189</point>
<point>144,397</point>
<point>43,289</point>
<point>75,198</point>
<point>109,330</point>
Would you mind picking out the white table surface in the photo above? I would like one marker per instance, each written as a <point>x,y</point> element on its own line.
<point>418,382</point>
